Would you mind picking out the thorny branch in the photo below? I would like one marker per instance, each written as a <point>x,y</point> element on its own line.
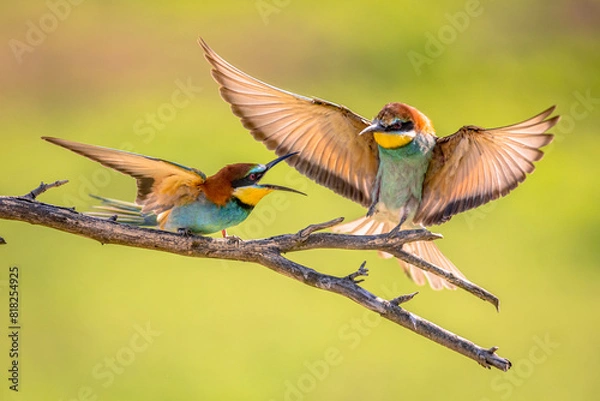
<point>269,252</point>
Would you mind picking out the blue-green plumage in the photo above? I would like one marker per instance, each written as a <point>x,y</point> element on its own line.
<point>205,217</point>
<point>400,177</point>
<point>201,216</point>
<point>175,197</point>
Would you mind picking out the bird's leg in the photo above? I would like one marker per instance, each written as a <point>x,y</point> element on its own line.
<point>230,238</point>
<point>375,196</point>
<point>402,220</point>
<point>371,210</point>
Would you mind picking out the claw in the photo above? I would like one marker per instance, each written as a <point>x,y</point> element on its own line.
<point>233,239</point>
<point>185,232</point>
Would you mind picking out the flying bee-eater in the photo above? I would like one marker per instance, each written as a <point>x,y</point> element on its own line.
<point>394,165</point>
<point>182,198</point>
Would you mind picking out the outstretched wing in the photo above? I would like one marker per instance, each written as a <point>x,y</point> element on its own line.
<point>477,165</point>
<point>161,184</point>
<point>326,134</point>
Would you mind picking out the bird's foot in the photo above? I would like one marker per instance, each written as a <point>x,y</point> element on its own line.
<point>395,230</point>
<point>362,271</point>
<point>231,239</point>
<point>234,239</point>
<point>185,232</point>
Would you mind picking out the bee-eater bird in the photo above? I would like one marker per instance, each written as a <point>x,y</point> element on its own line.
<point>395,165</point>
<point>182,198</point>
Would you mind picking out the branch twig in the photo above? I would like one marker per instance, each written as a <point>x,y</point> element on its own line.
<point>43,188</point>
<point>403,299</point>
<point>267,252</point>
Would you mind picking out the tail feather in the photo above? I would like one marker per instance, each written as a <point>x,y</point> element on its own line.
<point>425,250</point>
<point>366,226</point>
<point>125,212</point>
<point>429,252</point>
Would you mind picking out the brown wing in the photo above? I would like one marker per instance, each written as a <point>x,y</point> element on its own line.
<point>161,184</point>
<point>477,165</point>
<point>326,134</point>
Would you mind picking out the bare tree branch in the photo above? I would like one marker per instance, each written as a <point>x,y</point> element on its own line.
<point>43,188</point>
<point>403,299</point>
<point>268,252</point>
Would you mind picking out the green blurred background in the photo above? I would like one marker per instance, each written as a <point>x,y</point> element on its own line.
<point>222,330</point>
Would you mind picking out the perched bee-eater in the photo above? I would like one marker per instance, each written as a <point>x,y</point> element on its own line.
<point>395,165</point>
<point>182,198</point>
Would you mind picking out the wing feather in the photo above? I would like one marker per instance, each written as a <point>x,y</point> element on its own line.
<point>161,184</point>
<point>475,166</point>
<point>326,134</point>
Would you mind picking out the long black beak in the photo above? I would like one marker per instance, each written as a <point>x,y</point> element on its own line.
<point>269,165</point>
<point>374,127</point>
<point>279,187</point>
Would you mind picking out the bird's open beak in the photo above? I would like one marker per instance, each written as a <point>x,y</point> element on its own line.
<point>279,187</point>
<point>271,164</point>
<point>374,127</point>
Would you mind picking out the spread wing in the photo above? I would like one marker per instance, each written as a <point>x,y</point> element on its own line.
<point>326,134</point>
<point>477,165</point>
<point>161,184</point>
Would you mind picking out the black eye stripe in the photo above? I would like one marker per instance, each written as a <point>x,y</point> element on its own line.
<point>401,126</point>
<point>247,180</point>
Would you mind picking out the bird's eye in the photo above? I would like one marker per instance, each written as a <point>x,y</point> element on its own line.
<point>400,125</point>
<point>252,177</point>
<point>396,125</point>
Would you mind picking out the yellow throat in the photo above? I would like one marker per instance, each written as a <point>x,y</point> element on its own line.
<point>251,195</point>
<point>391,141</point>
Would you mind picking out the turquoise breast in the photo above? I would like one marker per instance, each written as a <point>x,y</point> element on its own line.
<point>204,217</point>
<point>402,171</point>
